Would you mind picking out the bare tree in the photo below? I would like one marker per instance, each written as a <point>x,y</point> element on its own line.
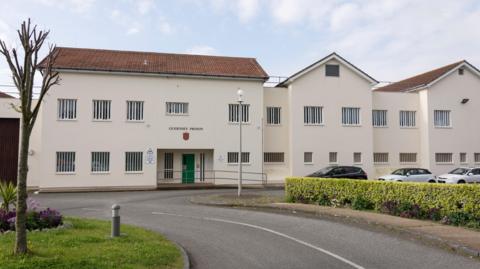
<point>23,74</point>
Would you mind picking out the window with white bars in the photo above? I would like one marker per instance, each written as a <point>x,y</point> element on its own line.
<point>234,113</point>
<point>380,157</point>
<point>313,115</point>
<point>100,162</point>
<point>273,157</point>
<point>102,109</point>
<point>379,118</point>
<point>476,157</point>
<point>408,157</point>
<point>357,157</point>
<point>65,162</point>
<point>463,157</point>
<point>273,115</point>
<point>441,118</point>
<point>168,165</point>
<point>67,109</point>
<point>134,110</point>
<point>350,115</point>
<point>175,108</point>
<point>408,118</point>
<point>308,157</point>
<point>443,158</point>
<point>332,157</point>
<point>134,161</point>
<point>232,157</point>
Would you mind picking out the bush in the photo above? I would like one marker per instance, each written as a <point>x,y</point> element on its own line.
<point>412,200</point>
<point>36,220</point>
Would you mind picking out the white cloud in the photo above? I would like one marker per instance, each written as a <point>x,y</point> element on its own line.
<point>79,6</point>
<point>247,9</point>
<point>244,10</point>
<point>165,27</point>
<point>202,50</point>
<point>145,6</point>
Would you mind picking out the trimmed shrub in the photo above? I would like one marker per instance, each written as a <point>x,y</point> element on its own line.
<point>413,200</point>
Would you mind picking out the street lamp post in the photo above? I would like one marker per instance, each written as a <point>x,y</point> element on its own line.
<point>240,119</point>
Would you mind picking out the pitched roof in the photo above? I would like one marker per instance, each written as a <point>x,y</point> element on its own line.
<point>157,63</point>
<point>332,55</point>
<point>421,80</point>
<point>4,95</point>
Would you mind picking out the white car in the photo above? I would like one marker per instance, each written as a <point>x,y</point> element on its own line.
<point>461,176</point>
<point>410,175</point>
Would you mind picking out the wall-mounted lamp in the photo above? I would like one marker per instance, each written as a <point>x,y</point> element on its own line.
<point>465,100</point>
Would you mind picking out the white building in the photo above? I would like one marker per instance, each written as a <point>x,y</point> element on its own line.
<point>132,120</point>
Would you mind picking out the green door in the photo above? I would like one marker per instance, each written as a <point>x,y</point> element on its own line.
<point>188,168</point>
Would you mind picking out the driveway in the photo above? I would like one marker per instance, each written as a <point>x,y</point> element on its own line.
<point>216,237</point>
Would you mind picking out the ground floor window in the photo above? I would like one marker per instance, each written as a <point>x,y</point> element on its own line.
<point>273,157</point>
<point>168,165</point>
<point>232,157</point>
<point>100,162</point>
<point>409,157</point>
<point>134,161</point>
<point>332,157</point>
<point>380,157</point>
<point>476,157</point>
<point>463,157</point>
<point>357,157</point>
<point>443,158</point>
<point>308,157</point>
<point>65,162</point>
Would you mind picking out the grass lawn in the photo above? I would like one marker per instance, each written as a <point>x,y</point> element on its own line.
<point>88,245</point>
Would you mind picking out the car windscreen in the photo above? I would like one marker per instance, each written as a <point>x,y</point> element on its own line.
<point>459,171</point>
<point>324,171</point>
<point>399,172</point>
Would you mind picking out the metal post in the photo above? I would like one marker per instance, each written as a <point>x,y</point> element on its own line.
<point>115,220</point>
<point>240,163</point>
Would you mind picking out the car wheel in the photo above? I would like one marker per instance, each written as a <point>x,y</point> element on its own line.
<point>461,181</point>
<point>432,181</point>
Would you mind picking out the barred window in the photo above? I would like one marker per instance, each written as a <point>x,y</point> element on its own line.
<point>308,157</point>
<point>443,158</point>
<point>476,157</point>
<point>102,109</point>
<point>357,157</point>
<point>332,70</point>
<point>441,118</point>
<point>380,157</point>
<point>232,157</point>
<point>463,157</point>
<point>407,118</point>
<point>350,115</point>
<point>313,115</point>
<point>134,161</point>
<point>67,109</point>
<point>176,108</point>
<point>134,110</point>
<point>273,157</point>
<point>332,157</point>
<point>408,157</point>
<point>379,118</point>
<point>65,162</point>
<point>168,165</point>
<point>100,161</point>
<point>234,113</point>
<point>273,115</point>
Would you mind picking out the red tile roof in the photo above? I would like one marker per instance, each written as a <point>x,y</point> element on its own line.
<point>4,95</point>
<point>418,80</point>
<point>158,63</point>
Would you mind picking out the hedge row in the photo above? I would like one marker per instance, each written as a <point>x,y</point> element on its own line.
<point>441,199</point>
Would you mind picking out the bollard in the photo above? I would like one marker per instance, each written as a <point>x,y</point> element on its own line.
<point>115,220</point>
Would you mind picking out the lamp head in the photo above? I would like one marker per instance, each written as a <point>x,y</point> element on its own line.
<point>240,95</point>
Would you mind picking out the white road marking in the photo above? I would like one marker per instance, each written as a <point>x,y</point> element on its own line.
<point>92,209</point>
<point>338,257</point>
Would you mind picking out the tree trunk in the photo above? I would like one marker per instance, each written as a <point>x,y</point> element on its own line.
<point>21,207</point>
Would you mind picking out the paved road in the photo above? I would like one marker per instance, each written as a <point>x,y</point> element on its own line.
<point>217,237</point>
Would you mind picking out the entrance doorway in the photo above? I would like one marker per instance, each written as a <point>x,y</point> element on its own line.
<point>188,168</point>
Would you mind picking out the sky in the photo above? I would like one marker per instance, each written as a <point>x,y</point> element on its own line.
<point>389,40</point>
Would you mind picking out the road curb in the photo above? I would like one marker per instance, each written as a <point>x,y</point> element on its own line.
<point>186,259</point>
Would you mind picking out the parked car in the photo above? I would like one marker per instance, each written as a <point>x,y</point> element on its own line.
<point>410,175</point>
<point>461,175</point>
<point>340,172</point>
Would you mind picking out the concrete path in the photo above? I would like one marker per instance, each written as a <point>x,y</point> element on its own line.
<point>217,237</point>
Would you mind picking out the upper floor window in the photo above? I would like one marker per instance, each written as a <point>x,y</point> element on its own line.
<point>65,162</point>
<point>332,70</point>
<point>174,108</point>
<point>134,110</point>
<point>100,162</point>
<point>460,71</point>
<point>273,157</point>
<point>232,157</point>
<point>350,115</point>
<point>379,118</point>
<point>313,115</point>
<point>273,115</point>
<point>234,113</point>
<point>67,109</point>
<point>134,161</point>
<point>408,118</point>
<point>102,109</point>
<point>441,118</point>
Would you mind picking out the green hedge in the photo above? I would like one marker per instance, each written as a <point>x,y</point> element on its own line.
<point>440,199</point>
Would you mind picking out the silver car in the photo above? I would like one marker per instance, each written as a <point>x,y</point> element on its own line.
<point>410,175</point>
<point>460,176</point>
